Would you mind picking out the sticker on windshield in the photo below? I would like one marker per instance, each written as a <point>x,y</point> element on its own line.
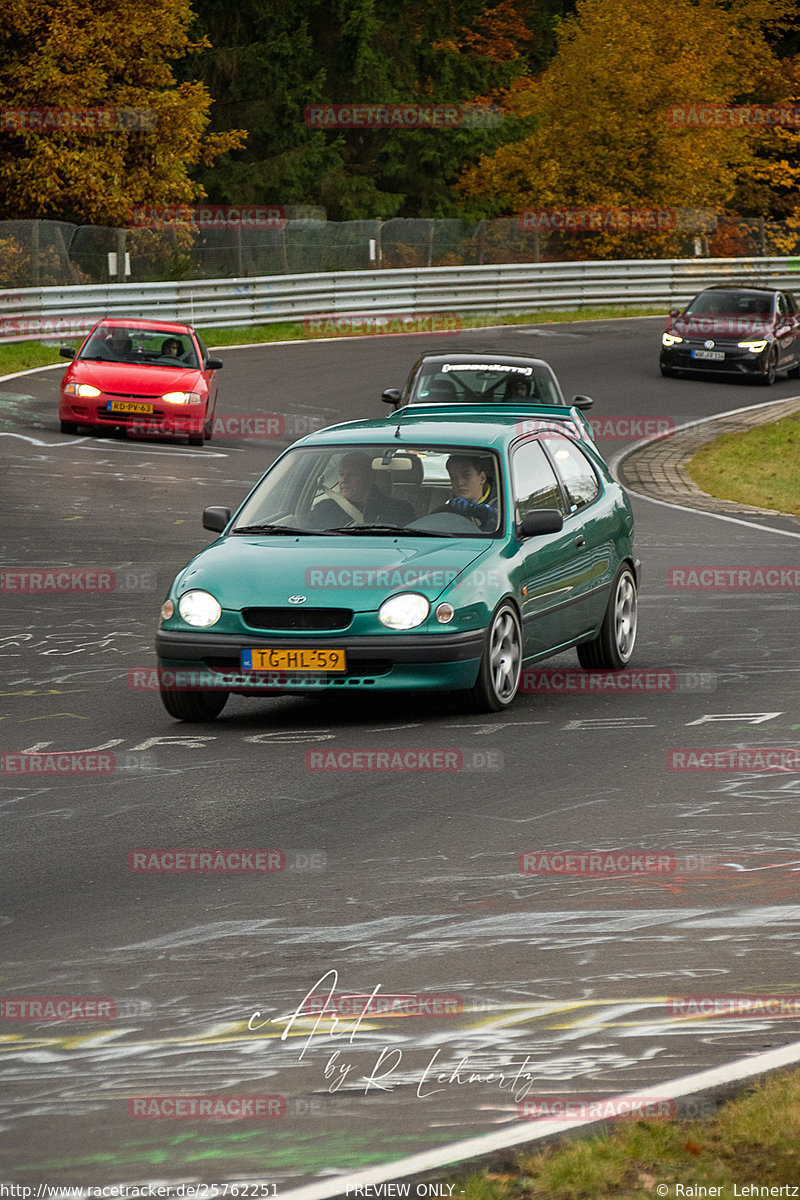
<point>486,367</point>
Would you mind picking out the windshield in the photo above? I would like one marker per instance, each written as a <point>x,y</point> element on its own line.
<point>731,304</point>
<point>440,383</point>
<point>150,347</point>
<point>450,491</point>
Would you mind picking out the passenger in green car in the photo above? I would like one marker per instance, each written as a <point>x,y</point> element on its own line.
<point>358,486</point>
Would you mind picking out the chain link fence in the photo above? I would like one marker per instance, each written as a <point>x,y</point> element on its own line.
<point>229,243</point>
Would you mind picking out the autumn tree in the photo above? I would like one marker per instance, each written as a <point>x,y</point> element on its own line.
<point>110,54</point>
<point>603,136</point>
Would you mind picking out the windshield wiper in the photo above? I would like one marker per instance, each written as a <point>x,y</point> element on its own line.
<point>280,529</point>
<point>401,529</point>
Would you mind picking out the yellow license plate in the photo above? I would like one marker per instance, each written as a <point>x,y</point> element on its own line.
<point>129,406</point>
<point>293,660</point>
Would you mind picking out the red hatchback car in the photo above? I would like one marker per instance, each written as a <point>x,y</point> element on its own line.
<point>147,377</point>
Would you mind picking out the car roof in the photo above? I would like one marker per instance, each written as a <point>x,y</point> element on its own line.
<point>502,358</point>
<point>736,287</point>
<point>146,323</point>
<point>483,425</point>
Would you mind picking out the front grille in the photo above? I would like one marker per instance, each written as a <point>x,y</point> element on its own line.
<point>121,418</point>
<point>131,396</point>
<point>366,668</point>
<point>297,619</point>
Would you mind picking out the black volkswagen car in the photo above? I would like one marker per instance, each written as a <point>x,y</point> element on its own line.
<point>750,331</point>
<point>457,376</point>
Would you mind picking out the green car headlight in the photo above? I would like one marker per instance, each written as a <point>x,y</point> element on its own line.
<point>405,611</point>
<point>199,609</point>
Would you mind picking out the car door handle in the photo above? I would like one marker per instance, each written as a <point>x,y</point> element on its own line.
<point>580,541</point>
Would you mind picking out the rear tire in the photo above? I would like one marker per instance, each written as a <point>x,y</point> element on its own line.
<point>613,647</point>
<point>193,706</point>
<point>501,663</point>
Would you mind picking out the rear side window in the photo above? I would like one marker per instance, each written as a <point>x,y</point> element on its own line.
<point>580,481</point>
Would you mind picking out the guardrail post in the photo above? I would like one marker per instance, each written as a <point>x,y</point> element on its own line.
<point>35,254</point>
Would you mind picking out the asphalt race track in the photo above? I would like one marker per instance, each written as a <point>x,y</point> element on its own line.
<point>406,882</point>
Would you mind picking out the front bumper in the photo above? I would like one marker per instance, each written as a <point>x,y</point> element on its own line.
<point>736,361</point>
<point>391,663</point>
<point>163,421</point>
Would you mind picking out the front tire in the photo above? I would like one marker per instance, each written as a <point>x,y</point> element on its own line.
<point>193,706</point>
<point>501,663</point>
<point>613,647</point>
<point>770,373</point>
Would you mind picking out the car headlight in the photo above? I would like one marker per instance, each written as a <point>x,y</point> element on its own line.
<point>670,339</point>
<point>199,609</point>
<point>756,347</point>
<point>405,611</point>
<point>181,397</point>
<point>81,389</point>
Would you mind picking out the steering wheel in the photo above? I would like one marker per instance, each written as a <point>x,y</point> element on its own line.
<point>353,513</point>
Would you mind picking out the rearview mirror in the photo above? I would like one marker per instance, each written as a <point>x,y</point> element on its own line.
<point>541,520</point>
<point>675,312</point>
<point>582,402</point>
<point>216,518</point>
<point>391,396</point>
<point>213,364</point>
<point>67,352</point>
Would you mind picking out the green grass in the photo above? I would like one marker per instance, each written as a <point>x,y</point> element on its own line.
<point>752,1139</point>
<point>20,356</point>
<point>761,466</point>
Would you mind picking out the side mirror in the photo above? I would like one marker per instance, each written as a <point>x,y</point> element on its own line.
<point>541,520</point>
<point>675,312</point>
<point>391,396</point>
<point>216,518</point>
<point>67,352</point>
<point>582,402</point>
<point>213,364</point>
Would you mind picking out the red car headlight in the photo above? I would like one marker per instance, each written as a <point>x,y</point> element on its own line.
<point>81,389</point>
<point>182,397</point>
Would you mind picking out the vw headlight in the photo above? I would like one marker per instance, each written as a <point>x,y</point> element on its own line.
<point>199,609</point>
<point>756,346</point>
<point>81,389</point>
<point>405,611</point>
<point>670,339</point>
<point>181,397</point>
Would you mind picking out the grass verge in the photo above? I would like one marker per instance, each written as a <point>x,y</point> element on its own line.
<point>761,467</point>
<point>754,1139</point>
<point>21,356</point>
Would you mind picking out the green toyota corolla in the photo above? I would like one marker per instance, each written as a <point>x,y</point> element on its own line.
<point>443,548</point>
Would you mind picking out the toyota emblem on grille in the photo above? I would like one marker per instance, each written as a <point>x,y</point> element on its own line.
<point>297,599</point>
<point>709,345</point>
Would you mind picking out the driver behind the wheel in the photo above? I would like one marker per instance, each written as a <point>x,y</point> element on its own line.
<point>475,492</point>
<point>358,486</point>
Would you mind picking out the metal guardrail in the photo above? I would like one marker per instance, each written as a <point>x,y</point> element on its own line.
<point>50,313</point>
